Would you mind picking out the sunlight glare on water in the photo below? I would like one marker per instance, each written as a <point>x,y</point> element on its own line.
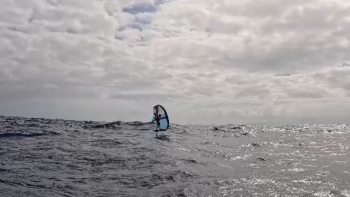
<point>43,157</point>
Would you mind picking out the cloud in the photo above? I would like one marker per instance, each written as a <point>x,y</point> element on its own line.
<point>206,61</point>
<point>259,37</point>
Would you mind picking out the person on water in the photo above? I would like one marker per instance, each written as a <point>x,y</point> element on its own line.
<point>158,121</point>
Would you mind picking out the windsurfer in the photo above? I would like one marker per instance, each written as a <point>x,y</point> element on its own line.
<point>159,117</point>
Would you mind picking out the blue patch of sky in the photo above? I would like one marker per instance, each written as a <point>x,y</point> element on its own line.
<point>158,2</point>
<point>140,11</point>
<point>144,7</point>
<point>140,8</point>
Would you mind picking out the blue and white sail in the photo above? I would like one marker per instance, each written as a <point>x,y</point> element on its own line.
<point>164,121</point>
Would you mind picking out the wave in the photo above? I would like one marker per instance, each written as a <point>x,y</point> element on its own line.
<point>11,135</point>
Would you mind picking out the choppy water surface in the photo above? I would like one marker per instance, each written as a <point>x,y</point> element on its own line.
<point>42,157</point>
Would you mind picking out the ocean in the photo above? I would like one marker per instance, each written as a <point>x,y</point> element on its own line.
<point>53,157</point>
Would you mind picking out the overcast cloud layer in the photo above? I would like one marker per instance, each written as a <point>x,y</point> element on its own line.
<point>206,61</point>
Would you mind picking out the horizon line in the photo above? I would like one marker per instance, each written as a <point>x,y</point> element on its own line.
<point>198,124</point>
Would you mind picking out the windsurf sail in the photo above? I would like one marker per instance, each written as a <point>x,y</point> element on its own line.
<point>159,110</point>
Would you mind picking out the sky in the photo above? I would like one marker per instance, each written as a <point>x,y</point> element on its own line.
<point>205,61</point>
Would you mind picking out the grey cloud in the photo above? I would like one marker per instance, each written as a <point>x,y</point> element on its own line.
<point>308,93</point>
<point>258,91</point>
<point>145,96</point>
<point>222,60</point>
<point>144,18</point>
<point>285,74</point>
<point>266,45</point>
<point>238,79</point>
<point>261,10</point>
<point>63,16</point>
<point>45,93</point>
<point>335,79</point>
<point>309,20</point>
